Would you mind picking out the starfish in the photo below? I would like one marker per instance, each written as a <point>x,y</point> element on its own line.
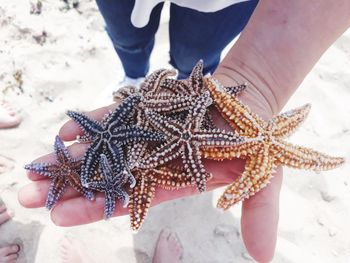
<point>186,139</point>
<point>110,136</point>
<point>145,190</point>
<point>150,86</point>
<point>267,150</point>
<point>182,92</point>
<point>124,92</point>
<point>152,83</point>
<point>194,85</point>
<point>112,184</point>
<point>64,172</point>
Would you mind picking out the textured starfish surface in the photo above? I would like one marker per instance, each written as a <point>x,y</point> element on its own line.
<point>125,92</point>
<point>64,172</point>
<point>145,189</point>
<point>152,84</point>
<point>174,95</point>
<point>112,183</point>
<point>179,94</point>
<point>109,136</point>
<point>186,139</point>
<point>268,148</point>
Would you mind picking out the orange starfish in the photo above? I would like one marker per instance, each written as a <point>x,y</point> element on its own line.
<point>266,150</point>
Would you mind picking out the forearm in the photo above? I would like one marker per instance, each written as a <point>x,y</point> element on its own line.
<point>281,43</point>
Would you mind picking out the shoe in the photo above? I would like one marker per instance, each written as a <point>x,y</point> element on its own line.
<point>106,97</point>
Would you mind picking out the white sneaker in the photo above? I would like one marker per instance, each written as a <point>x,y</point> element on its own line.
<point>106,97</point>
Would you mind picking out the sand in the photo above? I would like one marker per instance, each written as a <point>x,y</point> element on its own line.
<point>62,59</point>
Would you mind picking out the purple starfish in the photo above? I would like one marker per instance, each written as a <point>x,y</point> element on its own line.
<point>64,172</point>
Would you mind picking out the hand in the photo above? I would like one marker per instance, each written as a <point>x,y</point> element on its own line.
<point>259,215</point>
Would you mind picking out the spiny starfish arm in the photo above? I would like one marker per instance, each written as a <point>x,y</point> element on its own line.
<point>257,173</point>
<point>134,134</point>
<point>153,82</point>
<point>122,113</point>
<point>62,154</point>
<point>199,108</point>
<point>90,162</point>
<point>73,180</point>
<point>134,154</point>
<point>99,186</point>
<point>238,115</point>
<point>194,166</point>
<point>173,179</point>
<point>162,155</point>
<point>45,169</point>
<point>122,195</point>
<point>208,122</point>
<point>235,90</point>
<point>89,126</point>
<point>303,158</point>
<point>247,148</point>
<point>114,161</point>
<point>196,78</point>
<point>124,92</point>
<point>141,199</point>
<point>168,103</point>
<point>109,204</point>
<point>217,138</point>
<point>286,123</point>
<point>176,86</point>
<point>84,138</point>
<point>56,190</point>
<point>165,125</point>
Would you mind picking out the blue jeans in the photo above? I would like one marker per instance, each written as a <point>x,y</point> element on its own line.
<point>194,35</point>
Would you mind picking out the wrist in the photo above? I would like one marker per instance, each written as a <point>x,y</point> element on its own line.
<point>257,95</point>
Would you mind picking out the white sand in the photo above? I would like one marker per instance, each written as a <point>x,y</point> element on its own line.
<point>72,68</point>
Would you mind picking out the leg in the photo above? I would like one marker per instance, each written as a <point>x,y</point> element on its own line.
<point>7,253</point>
<point>133,45</point>
<point>168,249</point>
<point>196,35</point>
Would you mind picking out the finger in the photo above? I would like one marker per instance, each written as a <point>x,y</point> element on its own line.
<point>10,258</point>
<point>34,195</point>
<point>225,172</point>
<point>259,220</point>
<point>79,211</point>
<point>4,216</point>
<point>76,150</point>
<point>70,129</point>
<point>2,208</point>
<point>4,251</point>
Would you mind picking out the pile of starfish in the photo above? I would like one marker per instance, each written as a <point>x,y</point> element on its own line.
<point>158,136</point>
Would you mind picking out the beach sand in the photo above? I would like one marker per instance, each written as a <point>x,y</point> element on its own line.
<point>62,59</point>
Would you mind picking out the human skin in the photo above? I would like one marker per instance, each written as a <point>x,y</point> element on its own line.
<point>279,46</point>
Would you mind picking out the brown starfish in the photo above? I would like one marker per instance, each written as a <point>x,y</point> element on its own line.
<point>64,172</point>
<point>268,148</point>
<point>145,189</point>
<point>186,139</point>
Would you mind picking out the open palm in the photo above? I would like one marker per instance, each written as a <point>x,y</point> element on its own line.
<point>259,213</point>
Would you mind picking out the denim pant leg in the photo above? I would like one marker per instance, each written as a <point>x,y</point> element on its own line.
<point>196,35</point>
<point>133,45</point>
